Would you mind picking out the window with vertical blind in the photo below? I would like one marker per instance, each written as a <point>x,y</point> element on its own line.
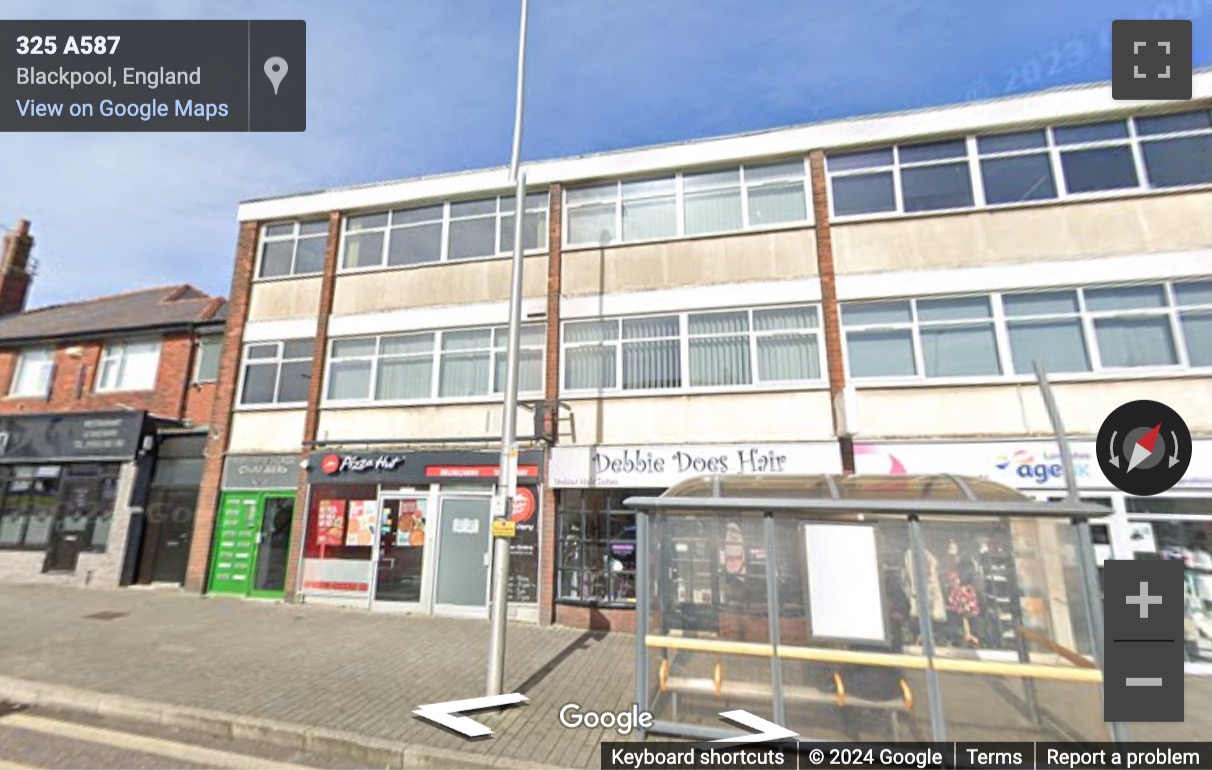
<point>688,204</point>
<point>423,366</point>
<point>709,349</point>
<point>1087,329</point>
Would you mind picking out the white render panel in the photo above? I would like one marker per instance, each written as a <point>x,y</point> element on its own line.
<point>1061,104</point>
<point>754,294</point>
<point>271,331</point>
<point>417,424</point>
<point>437,317</point>
<point>1142,267</point>
<point>276,430</point>
<point>1016,410</point>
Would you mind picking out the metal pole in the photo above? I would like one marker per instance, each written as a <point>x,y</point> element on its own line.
<point>642,608</point>
<point>1085,547</point>
<point>934,695</point>
<point>507,478</point>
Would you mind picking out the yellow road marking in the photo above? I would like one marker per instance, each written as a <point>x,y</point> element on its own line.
<point>141,743</point>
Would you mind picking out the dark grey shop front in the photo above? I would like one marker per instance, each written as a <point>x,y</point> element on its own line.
<point>410,531</point>
<point>59,481</point>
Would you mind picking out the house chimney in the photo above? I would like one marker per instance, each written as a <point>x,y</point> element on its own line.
<point>15,275</point>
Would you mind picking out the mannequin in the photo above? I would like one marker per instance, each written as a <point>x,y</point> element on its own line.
<point>963,580</point>
<point>934,590</point>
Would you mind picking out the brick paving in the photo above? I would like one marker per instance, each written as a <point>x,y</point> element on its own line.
<point>345,670</point>
<point>364,673</point>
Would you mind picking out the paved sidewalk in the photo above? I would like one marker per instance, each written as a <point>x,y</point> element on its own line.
<point>346,671</point>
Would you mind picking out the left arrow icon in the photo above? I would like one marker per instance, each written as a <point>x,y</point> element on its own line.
<point>447,714</point>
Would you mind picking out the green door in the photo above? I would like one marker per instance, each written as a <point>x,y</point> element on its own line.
<point>235,543</point>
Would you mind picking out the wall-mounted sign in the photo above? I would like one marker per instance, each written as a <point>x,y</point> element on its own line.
<point>330,522</point>
<point>1024,465</point>
<point>659,466</point>
<point>523,505</point>
<point>100,435</point>
<point>504,528</point>
<point>328,466</point>
<point>260,472</point>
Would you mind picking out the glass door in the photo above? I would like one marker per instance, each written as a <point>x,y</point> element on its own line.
<point>464,538</point>
<point>273,547</point>
<point>400,574</point>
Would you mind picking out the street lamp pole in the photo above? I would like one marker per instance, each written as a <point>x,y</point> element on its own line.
<point>507,478</point>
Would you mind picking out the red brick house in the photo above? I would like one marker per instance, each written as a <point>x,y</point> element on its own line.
<point>104,407</point>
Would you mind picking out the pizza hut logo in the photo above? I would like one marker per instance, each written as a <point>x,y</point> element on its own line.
<point>335,464</point>
<point>330,464</point>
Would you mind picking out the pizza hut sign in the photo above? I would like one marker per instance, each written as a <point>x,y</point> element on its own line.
<point>335,465</point>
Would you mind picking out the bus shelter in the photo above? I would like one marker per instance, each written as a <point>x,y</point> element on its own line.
<point>868,608</point>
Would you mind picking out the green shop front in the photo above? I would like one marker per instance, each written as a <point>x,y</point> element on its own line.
<point>252,528</point>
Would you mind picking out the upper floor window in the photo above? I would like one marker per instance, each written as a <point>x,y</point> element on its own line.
<point>32,377</point>
<point>1093,329</point>
<point>129,365</point>
<point>693,350</point>
<point>277,372</point>
<point>687,204</point>
<point>454,363</point>
<point>293,248</point>
<point>210,349</point>
<point>443,231</point>
<point>1148,152</point>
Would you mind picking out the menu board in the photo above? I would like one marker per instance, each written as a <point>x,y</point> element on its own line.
<point>362,516</point>
<point>410,524</point>
<point>330,522</point>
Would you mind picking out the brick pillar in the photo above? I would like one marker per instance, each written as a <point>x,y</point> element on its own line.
<point>829,308</point>
<point>551,395</point>
<point>298,525</point>
<point>14,269</point>
<point>220,419</point>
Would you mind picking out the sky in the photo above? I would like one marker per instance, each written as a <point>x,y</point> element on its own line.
<point>401,88</point>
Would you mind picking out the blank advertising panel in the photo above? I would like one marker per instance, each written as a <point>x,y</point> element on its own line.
<point>845,596</point>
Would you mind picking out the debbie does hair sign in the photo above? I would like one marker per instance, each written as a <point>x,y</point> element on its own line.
<point>665,465</point>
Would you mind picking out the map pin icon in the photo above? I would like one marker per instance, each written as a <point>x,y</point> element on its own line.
<point>275,70</point>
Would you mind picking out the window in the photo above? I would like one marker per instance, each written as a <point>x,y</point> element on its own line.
<point>1067,330</point>
<point>597,546</point>
<point>456,230</point>
<point>209,350</point>
<point>401,367</point>
<point>1146,152</point>
<point>30,501</point>
<point>727,348</point>
<point>293,248</point>
<point>129,365</point>
<point>33,375</point>
<point>687,204</point>
<point>277,372</point>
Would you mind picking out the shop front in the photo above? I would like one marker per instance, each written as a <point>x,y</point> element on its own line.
<point>411,531</point>
<point>166,526</point>
<point>66,489</point>
<point>252,531</point>
<point>595,550</point>
<point>1174,525</point>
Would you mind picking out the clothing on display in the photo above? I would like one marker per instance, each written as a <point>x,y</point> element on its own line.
<point>934,588</point>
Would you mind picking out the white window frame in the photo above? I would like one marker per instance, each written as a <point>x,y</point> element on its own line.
<point>435,355</point>
<point>116,350</point>
<point>1133,140</point>
<point>46,375</point>
<point>203,341</point>
<point>680,202</point>
<point>278,360</point>
<point>536,203</point>
<point>1086,318</point>
<point>294,237</point>
<point>683,338</point>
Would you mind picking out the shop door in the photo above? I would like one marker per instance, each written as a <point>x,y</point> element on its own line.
<point>400,561</point>
<point>166,537</point>
<point>461,582</point>
<point>272,546</point>
<point>70,533</point>
<point>235,543</point>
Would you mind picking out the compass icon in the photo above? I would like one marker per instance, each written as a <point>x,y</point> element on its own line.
<point>1144,447</point>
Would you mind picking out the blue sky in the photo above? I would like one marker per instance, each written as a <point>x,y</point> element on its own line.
<point>399,88</point>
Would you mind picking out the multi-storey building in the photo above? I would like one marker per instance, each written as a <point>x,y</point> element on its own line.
<point>102,426</point>
<point>864,294</point>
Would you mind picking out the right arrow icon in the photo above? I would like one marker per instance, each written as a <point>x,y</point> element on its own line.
<point>767,731</point>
